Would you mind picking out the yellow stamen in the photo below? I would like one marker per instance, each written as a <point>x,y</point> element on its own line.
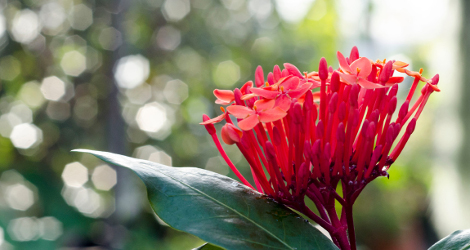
<point>358,70</point>
<point>421,71</point>
<point>254,107</point>
<point>267,84</point>
<point>223,110</point>
<point>282,88</point>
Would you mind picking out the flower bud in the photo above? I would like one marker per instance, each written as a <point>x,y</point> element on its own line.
<point>411,126</point>
<point>276,73</point>
<point>209,127</point>
<point>354,55</point>
<point>230,134</point>
<point>333,103</point>
<point>392,105</point>
<point>293,70</point>
<point>259,76</point>
<point>323,69</point>
<point>335,82</point>
<point>340,135</point>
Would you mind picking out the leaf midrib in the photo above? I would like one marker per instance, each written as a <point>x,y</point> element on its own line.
<point>219,202</point>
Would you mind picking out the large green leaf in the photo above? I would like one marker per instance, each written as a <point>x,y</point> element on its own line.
<point>219,209</point>
<point>208,246</point>
<point>458,240</point>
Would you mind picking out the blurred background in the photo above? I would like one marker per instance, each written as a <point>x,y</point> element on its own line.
<point>135,77</point>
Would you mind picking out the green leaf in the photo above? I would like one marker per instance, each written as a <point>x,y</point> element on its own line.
<point>458,240</point>
<point>208,246</point>
<point>219,209</point>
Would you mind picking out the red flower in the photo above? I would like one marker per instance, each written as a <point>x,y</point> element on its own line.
<point>308,142</point>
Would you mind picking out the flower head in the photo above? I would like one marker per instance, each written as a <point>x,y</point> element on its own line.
<point>314,129</point>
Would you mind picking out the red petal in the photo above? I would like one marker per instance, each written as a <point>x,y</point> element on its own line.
<point>230,134</point>
<point>369,85</point>
<point>364,64</point>
<point>239,111</point>
<point>245,86</point>
<point>272,115</point>
<point>214,120</point>
<point>224,95</point>
<point>283,102</point>
<point>264,104</point>
<point>300,91</point>
<point>290,83</point>
<point>249,122</point>
<point>293,70</point>
<point>395,79</point>
<point>351,79</point>
<point>259,76</point>
<point>220,102</point>
<point>265,93</point>
<point>342,62</point>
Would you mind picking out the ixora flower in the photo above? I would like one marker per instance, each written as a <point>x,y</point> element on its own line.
<point>305,134</point>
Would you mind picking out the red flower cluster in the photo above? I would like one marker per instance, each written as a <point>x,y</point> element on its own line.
<point>343,130</point>
<point>309,131</point>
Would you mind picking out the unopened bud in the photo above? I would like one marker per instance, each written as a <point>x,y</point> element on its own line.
<point>238,97</point>
<point>209,127</point>
<point>392,105</point>
<point>333,103</point>
<point>411,126</point>
<point>230,134</point>
<point>270,78</point>
<point>316,148</point>
<point>298,115</point>
<point>354,55</point>
<point>365,125</point>
<point>308,103</point>
<point>270,152</point>
<point>320,129</point>
<point>276,136</point>
<point>403,110</point>
<point>353,95</point>
<point>340,135</point>
<point>386,72</point>
<point>323,69</point>
<point>276,73</point>
<point>259,76</point>
<point>342,111</point>
<point>371,130</point>
<point>293,70</point>
<point>335,82</point>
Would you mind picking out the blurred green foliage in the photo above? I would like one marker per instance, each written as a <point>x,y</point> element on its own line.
<point>68,67</point>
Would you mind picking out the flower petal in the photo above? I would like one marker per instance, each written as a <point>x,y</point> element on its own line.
<point>259,76</point>
<point>265,93</point>
<point>369,85</point>
<point>230,134</point>
<point>239,111</point>
<point>272,115</point>
<point>364,65</point>
<point>283,102</point>
<point>249,122</point>
<point>290,83</point>
<point>400,64</point>
<point>395,79</point>
<point>293,70</point>
<point>264,104</point>
<point>300,91</point>
<point>343,64</point>
<point>214,120</point>
<point>350,79</point>
<point>246,86</point>
<point>224,95</point>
